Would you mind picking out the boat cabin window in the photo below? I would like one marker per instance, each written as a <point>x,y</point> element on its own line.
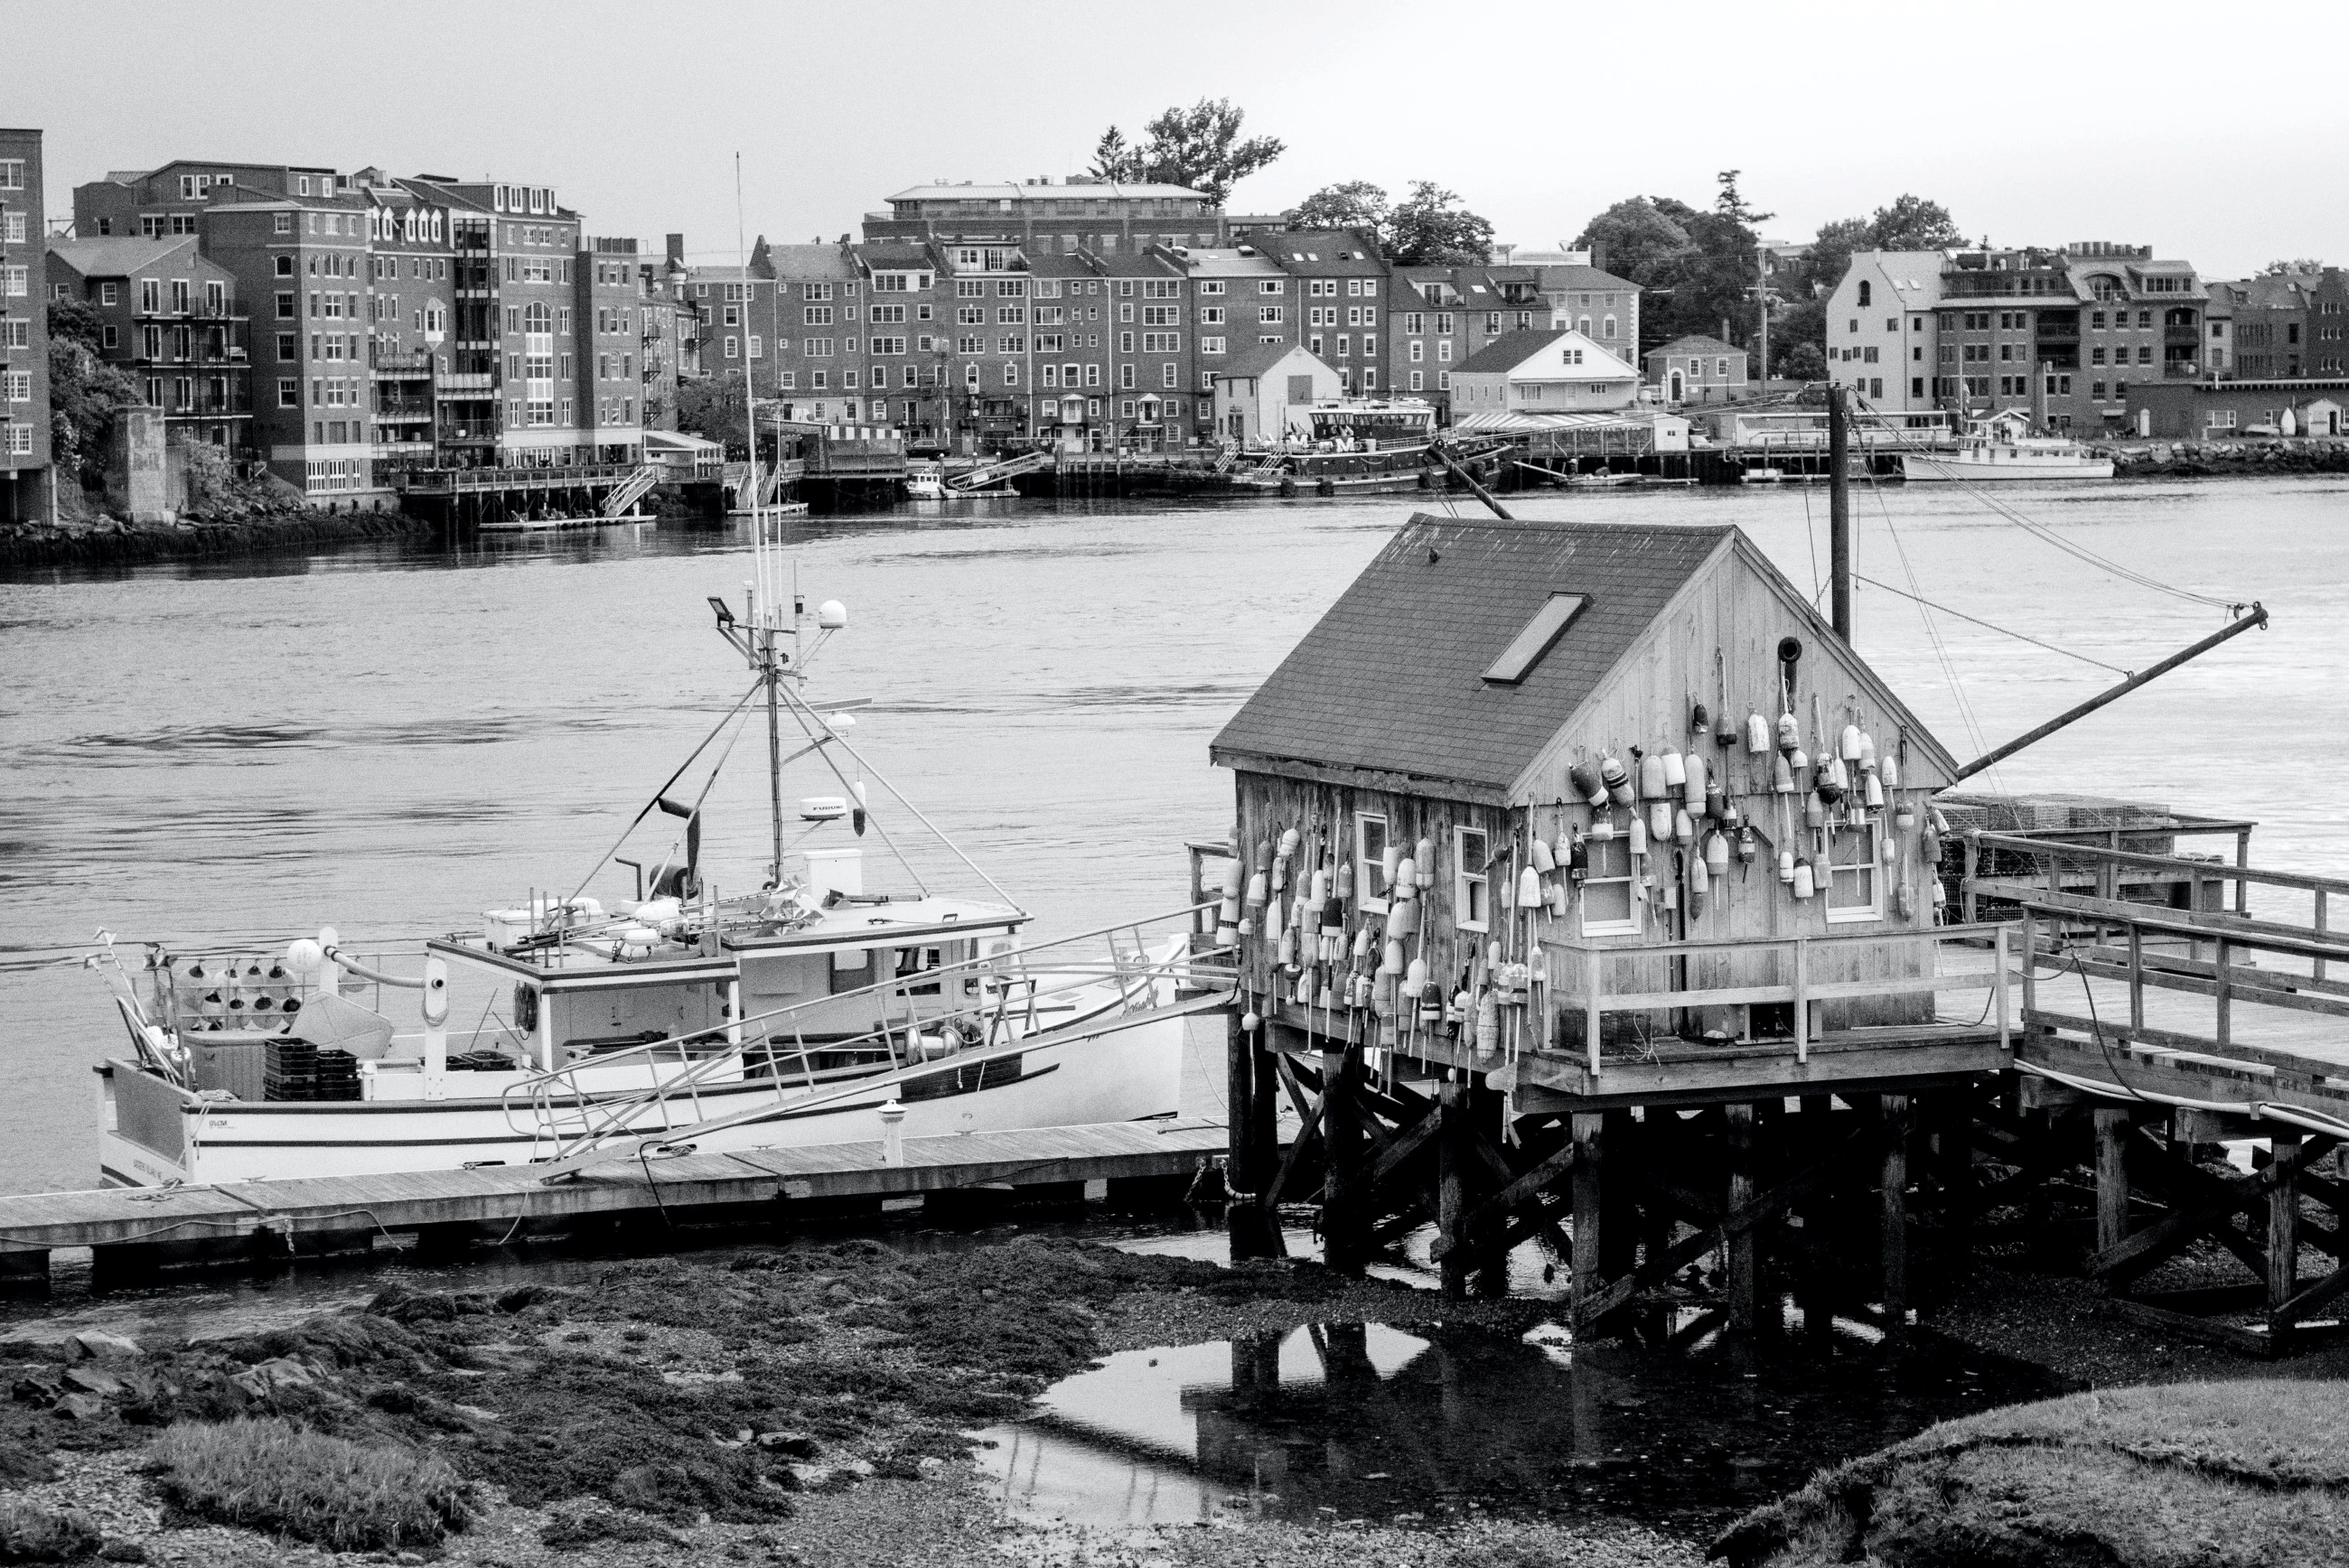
<point>852,969</point>
<point>1609,907</point>
<point>913,962</point>
<point>1370,861</point>
<point>1855,875</point>
<point>1472,881</point>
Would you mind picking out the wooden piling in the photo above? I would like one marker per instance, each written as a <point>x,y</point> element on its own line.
<point>1893,1186</point>
<point>1345,1195</point>
<point>2111,1177</point>
<point>1243,1176</point>
<point>1452,1165</point>
<point>1741,1243</point>
<point>1589,1137</point>
<point>2283,1235</point>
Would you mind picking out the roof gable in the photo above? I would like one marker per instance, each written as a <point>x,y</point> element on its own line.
<point>1536,351</point>
<point>1260,358</point>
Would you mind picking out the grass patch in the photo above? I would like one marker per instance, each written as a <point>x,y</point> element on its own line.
<point>272,1475</point>
<point>31,1534</point>
<point>2216,1475</point>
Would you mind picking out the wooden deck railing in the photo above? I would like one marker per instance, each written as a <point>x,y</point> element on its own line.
<point>1576,976</point>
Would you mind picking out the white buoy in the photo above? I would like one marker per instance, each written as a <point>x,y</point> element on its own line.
<point>1675,770</point>
<point>1544,861</point>
<point>1758,735</point>
<point>1529,893</point>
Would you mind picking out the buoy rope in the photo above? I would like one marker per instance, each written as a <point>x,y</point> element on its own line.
<point>2003,630</point>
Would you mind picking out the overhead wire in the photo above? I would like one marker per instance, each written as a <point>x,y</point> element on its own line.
<point>2003,630</point>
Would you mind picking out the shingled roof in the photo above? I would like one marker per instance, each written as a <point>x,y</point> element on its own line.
<point>1392,679</point>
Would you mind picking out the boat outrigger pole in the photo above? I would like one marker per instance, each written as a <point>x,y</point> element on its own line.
<point>1460,472</point>
<point>2257,617</point>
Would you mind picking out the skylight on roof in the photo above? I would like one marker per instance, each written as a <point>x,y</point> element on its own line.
<point>1541,634</point>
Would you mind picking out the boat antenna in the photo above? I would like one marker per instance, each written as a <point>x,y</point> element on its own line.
<point>765,620</point>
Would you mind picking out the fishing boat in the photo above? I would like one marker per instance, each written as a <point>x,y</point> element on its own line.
<point>1358,445</point>
<point>2001,449</point>
<point>925,480</point>
<point>793,1013</point>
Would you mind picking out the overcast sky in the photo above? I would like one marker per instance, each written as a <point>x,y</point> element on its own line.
<point>2151,124</point>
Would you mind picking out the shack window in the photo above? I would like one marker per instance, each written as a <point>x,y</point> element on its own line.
<point>1611,906</point>
<point>1548,623</point>
<point>1855,886</point>
<point>1471,882</point>
<point>1370,859</point>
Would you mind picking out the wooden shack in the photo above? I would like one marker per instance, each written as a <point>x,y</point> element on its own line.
<point>1579,742</point>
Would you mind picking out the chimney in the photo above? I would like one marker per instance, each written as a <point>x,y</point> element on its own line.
<point>1599,255</point>
<point>677,250</point>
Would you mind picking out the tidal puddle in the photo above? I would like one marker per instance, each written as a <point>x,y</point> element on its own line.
<point>1395,1423</point>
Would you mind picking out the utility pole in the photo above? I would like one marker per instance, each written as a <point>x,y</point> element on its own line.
<point>1762,299</point>
<point>1839,511</point>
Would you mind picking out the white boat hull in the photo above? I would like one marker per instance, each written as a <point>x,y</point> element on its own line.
<point>1121,1069</point>
<point>1915,466</point>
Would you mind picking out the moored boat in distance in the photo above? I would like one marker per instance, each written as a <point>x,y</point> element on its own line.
<point>1358,445</point>
<point>2001,449</point>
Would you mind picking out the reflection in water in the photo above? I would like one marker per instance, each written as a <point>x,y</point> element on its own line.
<point>1369,1421</point>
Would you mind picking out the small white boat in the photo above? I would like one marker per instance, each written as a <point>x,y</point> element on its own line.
<point>2000,449</point>
<point>924,481</point>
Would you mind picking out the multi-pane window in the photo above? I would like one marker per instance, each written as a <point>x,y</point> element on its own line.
<point>1855,876</point>
<point>1370,859</point>
<point>1472,881</point>
<point>1611,906</point>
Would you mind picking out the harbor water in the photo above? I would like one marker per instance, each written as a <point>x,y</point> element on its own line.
<point>391,737</point>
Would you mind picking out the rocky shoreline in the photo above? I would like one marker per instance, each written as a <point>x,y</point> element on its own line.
<point>2151,460</point>
<point>108,542</point>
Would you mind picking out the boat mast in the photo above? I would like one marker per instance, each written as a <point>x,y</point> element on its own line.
<point>765,621</point>
<point>1839,510</point>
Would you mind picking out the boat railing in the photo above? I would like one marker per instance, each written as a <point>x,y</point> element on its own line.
<point>1010,999</point>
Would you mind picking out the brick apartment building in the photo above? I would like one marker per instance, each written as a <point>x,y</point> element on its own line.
<point>1045,218</point>
<point>173,319</point>
<point>28,492</point>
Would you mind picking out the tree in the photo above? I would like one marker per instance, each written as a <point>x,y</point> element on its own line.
<point>1197,147</point>
<point>1430,227</point>
<point>1638,238</point>
<point>83,392</point>
<point>1355,204</point>
<point>1913,223</point>
<point>2286,268</point>
<point>712,408</point>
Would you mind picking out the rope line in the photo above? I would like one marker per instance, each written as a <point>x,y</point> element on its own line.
<point>2003,630</point>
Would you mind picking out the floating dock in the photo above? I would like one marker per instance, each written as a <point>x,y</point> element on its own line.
<point>130,1229</point>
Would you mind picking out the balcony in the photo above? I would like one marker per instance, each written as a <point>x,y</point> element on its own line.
<point>209,408</point>
<point>400,364</point>
<point>404,411</point>
<point>474,386</point>
<point>2180,370</point>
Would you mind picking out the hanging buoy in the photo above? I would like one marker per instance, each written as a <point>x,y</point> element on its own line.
<point>1803,887</point>
<point>1561,854</point>
<point>1290,839</point>
<point>1874,793</point>
<point>1544,861</point>
<point>1406,879</point>
<point>1849,750</point>
<point>1639,836</point>
<point>1700,876</point>
<point>1660,822</point>
<point>1782,778</point>
<point>1890,767</point>
<point>1246,926</point>
<point>1557,899</point>
<point>1329,997</point>
<point>1529,891</point>
<point>1258,894</point>
<point>1675,771</point>
<point>1279,875</point>
<point>1342,888</point>
<point>1287,954</point>
<point>1602,827</point>
<point>1382,994</point>
<point>1229,915</point>
<point>1716,803</point>
<point>1716,854</point>
<point>1758,735</point>
<point>1693,780</point>
<point>1904,904</point>
<point>1892,851</point>
<point>1585,784</point>
<point>1414,978</point>
<point>1361,944</point>
<point>1425,860</point>
<point>1250,1023</point>
<point>1615,779</point>
<point>1701,721</point>
<point>1814,811</point>
<point>1837,774</point>
<point>1488,1024</point>
<point>1402,919</point>
<point>1940,897</point>
<point>1333,919</point>
<point>1683,829</point>
<point>1358,991</point>
<point>1390,859</point>
<point>1867,752</point>
<point>1929,843</point>
<point>1746,846</point>
<point>1391,962</point>
<point>1234,878</point>
<point>1790,733</point>
<point>1785,865</point>
<point>1651,778</point>
<point>1304,988</point>
<point>1319,889</point>
<point>1800,760</point>
<point>1492,955</point>
<point>1904,817</point>
<point>1578,860</point>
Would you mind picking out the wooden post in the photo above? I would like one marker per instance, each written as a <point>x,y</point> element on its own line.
<point>1618,1213</point>
<point>2283,1233</point>
<point>2136,978</point>
<point>1894,1193</point>
<point>1593,977</point>
<point>2111,1177</point>
<point>1344,1224</point>
<point>1741,1242</point>
<point>2225,993</point>
<point>2317,972</point>
<point>1588,1144</point>
<point>1998,958</point>
<point>1967,899</point>
<point>1955,1157</point>
<point>1802,1000</point>
<point>1241,1179</point>
<point>1452,1194</point>
<point>2030,939</point>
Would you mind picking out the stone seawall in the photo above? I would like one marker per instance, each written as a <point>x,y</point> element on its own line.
<point>108,543</point>
<point>2187,459</point>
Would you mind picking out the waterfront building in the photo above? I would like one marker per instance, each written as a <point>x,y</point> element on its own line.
<point>608,389</point>
<point>28,490</point>
<point>174,320</point>
<point>666,339</point>
<point>812,358</point>
<point>1699,370</point>
<point>411,305</point>
<point>1881,336</point>
<point>1549,370</point>
<point>2273,320</point>
<point>738,316</point>
<point>1262,393</point>
<point>2253,407</point>
<point>1342,294</point>
<point>1240,302</point>
<point>170,199</point>
<point>1047,218</point>
<point>1150,352</point>
<point>1074,346</point>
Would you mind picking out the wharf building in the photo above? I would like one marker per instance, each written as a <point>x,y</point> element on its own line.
<point>171,317</point>
<point>387,324</point>
<point>28,490</point>
<point>2059,335</point>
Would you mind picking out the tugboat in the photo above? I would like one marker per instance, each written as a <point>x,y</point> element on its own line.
<point>2001,449</point>
<point>572,1026</point>
<point>1358,445</point>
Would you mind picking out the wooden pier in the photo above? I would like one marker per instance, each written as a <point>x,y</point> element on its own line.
<point>131,1231</point>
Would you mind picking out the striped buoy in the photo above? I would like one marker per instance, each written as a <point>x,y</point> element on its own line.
<point>1617,781</point>
<point>1785,865</point>
<point>1683,829</point>
<point>1425,860</point>
<point>1585,785</point>
<point>1716,854</point>
<point>1406,878</point>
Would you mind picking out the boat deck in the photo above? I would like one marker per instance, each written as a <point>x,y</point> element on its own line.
<point>135,1226</point>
